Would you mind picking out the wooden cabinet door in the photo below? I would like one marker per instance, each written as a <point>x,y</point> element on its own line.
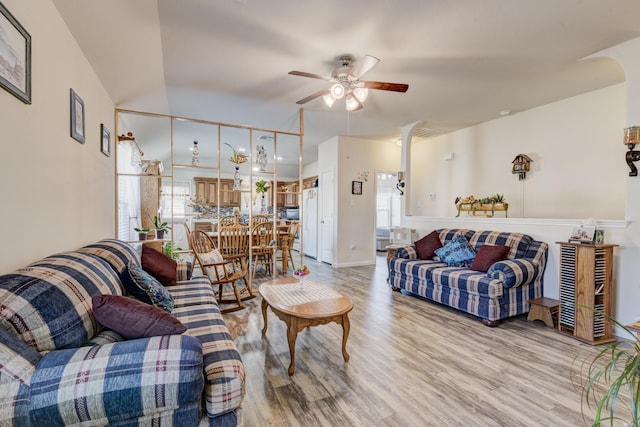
<point>229,197</point>
<point>291,198</point>
<point>206,189</point>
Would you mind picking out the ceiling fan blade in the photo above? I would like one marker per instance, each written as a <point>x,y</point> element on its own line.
<point>305,74</point>
<point>313,96</point>
<point>394,87</point>
<point>362,65</point>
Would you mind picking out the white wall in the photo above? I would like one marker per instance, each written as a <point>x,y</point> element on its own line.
<point>355,224</point>
<point>600,178</point>
<point>57,194</point>
<point>577,172</point>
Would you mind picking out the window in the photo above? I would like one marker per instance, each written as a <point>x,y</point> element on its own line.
<point>176,197</point>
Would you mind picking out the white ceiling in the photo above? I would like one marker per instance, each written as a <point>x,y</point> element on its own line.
<point>464,60</point>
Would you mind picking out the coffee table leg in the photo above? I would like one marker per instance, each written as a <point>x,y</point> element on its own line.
<point>292,335</point>
<point>346,326</point>
<point>264,316</point>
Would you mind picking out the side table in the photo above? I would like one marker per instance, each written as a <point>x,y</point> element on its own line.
<point>391,252</point>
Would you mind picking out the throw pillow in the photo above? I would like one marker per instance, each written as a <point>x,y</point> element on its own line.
<point>214,257</point>
<point>456,253</point>
<point>144,287</point>
<point>134,319</point>
<point>489,255</point>
<point>159,266</point>
<point>426,247</point>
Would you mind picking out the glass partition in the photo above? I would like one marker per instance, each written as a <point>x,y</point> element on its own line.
<point>190,173</point>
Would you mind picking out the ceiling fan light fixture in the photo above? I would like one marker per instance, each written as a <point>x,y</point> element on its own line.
<point>329,100</point>
<point>337,91</point>
<point>351,103</point>
<point>361,93</point>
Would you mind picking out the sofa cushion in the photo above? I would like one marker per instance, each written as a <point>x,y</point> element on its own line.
<point>48,303</point>
<point>223,369</point>
<point>517,242</point>
<point>215,257</point>
<point>426,247</point>
<point>129,383</point>
<point>488,255</point>
<point>116,252</point>
<point>456,253</point>
<point>17,359</point>
<point>134,319</point>
<point>159,266</point>
<point>146,288</point>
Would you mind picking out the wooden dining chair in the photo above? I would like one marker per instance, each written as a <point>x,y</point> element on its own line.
<point>221,270</point>
<point>260,219</point>
<point>262,246</point>
<point>234,241</point>
<point>227,220</point>
<point>286,237</point>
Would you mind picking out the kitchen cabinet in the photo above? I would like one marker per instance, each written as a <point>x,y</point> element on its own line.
<point>290,197</point>
<point>229,196</point>
<point>207,190</point>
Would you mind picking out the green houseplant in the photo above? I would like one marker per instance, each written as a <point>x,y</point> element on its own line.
<point>172,252</point>
<point>161,227</point>
<point>611,382</point>
<point>142,233</point>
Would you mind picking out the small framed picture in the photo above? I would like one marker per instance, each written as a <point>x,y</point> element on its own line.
<point>356,187</point>
<point>15,57</point>
<point>77,117</point>
<point>598,237</point>
<point>105,138</point>
<point>582,234</point>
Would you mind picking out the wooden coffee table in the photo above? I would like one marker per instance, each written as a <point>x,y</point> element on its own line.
<point>301,305</point>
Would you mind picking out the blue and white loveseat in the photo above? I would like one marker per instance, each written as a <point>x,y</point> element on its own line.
<point>501,292</point>
<point>59,366</point>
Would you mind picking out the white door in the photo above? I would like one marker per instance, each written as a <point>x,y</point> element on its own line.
<point>327,215</point>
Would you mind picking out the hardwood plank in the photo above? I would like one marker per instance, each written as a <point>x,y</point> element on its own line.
<point>413,363</point>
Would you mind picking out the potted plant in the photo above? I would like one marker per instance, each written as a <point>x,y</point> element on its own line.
<point>161,227</point>
<point>142,233</point>
<point>172,252</point>
<point>611,382</point>
<point>262,187</point>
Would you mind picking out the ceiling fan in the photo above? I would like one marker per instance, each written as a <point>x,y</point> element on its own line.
<point>347,84</point>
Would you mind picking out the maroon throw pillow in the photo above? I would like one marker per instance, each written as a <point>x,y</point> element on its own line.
<point>159,266</point>
<point>426,247</point>
<point>489,255</point>
<point>134,319</point>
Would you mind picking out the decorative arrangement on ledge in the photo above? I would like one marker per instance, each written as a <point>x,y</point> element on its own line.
<point>487,205</point>
<point>200,205</point>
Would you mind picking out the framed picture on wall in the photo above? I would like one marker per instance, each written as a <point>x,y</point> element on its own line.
<point>15,57</point>
<point>105,140</point>
<point>356,187</point>
<point>77,117</point>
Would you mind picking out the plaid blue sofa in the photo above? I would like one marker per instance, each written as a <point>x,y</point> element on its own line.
<point>59,367</point>
<point>503,291</point>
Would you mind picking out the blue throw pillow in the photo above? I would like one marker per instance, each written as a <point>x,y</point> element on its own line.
<point>146,288</point>
<point>457,253</point>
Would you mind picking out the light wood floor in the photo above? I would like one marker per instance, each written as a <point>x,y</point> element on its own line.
<point>413,363</point>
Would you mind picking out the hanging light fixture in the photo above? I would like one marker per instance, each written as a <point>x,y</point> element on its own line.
<point>361,93</point>
<point>352,103</point>
<point>329,100</point>
<point>337,91</point>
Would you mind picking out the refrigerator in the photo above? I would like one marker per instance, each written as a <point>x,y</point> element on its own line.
<point>310,222</point>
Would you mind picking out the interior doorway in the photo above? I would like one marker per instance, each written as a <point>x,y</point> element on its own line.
<point>388,205</point>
